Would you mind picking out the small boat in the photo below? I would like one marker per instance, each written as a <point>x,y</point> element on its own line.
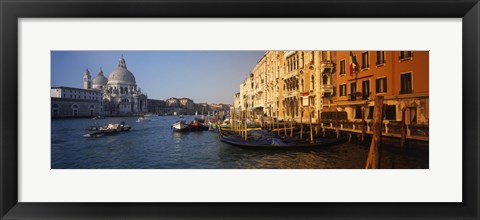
<point>109,129</point>
<point>143,119</point>
<point>197,126</point>
<point>181,126</point>
<point>281,143</point>
<point>98,117</point>
<point>181,116</point>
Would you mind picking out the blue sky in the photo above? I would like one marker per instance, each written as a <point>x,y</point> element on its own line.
<point>204,76</point>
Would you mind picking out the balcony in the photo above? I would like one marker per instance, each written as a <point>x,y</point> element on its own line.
<point>365,96</point>
<point>326,89</point>
<point>290,74</point>
<point>353,96</point>
<point>327,66</point>
<point>291,94</point>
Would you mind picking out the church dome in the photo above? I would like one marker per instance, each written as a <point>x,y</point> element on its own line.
<point>100,79</point>
<point>121,73</point>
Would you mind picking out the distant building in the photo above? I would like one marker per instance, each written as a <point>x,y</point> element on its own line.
<point>75,102</point>
<point>156,106</point>
<point>202,108</point>
<point>172,102</point>
<point>187,104</point>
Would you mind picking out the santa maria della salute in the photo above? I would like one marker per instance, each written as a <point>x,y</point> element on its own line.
<point>120,92</point>
<point>116,95</point>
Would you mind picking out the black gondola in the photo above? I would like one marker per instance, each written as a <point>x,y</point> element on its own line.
<point>278,142</point>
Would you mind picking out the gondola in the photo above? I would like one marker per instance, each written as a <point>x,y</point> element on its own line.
<point>281,143</point>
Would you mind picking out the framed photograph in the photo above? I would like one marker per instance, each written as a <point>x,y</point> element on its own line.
<point>251,110</point>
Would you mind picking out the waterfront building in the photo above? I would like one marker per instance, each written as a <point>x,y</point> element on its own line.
<point>187,104</point>
<point>237,101</point>
<point>172,102</point>
<point>202,108</point>
<point>120,92</point>
<point>298,85</point>
<point>75,102</point>
<point>402,77</point>
<point>155,106</point>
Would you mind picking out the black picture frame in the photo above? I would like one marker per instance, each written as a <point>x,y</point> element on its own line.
<point>11,11</point>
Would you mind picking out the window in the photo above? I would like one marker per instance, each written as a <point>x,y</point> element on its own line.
<point>325,79</point>
<point>358,112</point>
<point>313,82</point>
<point>370,112</point>
<point>353,91</point>
<point>413,115</point>
<point>406,83</point>
<point>343,90</point>
<point>390,112</point>
<point>381,85</point>
<point>55,106</point>
<point>365,60</point>
<point>380,58</point>
<point>365,89</point>
<point>405,55</point>
<point>55,112</point>
<point>342,67</point>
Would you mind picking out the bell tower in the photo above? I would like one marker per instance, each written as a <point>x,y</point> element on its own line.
<point>87,80</point>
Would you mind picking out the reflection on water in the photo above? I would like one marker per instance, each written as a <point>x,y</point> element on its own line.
<point>153,145</point>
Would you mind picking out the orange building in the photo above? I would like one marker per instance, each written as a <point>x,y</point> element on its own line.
<point>402,77</point>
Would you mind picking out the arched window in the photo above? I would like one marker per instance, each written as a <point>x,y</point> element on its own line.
<point>325,79</point>
<point>75,109</point>
<point>92,106</point>
<point>313,82</point>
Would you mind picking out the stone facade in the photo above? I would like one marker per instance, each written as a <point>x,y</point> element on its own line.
<point>121,95</point>
<point>66,107</point>
<point>75,102</point>
<point>297,85</point>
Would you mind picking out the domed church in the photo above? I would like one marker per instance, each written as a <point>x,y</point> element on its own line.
<point>120,92</point>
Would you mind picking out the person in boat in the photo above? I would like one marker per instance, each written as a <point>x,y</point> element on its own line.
<point>122,124</point>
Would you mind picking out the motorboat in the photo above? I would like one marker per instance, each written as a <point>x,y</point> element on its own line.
<point>108,129</point>
<point>143,119</point>
<point>98,117</point>
<point>181,126</point>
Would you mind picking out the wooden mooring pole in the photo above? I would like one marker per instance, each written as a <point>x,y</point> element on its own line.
<point>337,126</point>
<point>310,124</point>
<point>246,131</point>
<point>404,129</point>
<point>374,157</point>
<point>363,123</point>
<point>319,123</point>
<point>301,124</point>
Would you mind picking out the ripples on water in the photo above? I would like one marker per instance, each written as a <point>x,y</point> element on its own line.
<point>153,145</point>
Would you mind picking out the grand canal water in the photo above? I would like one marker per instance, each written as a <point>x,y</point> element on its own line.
<point>153,145</point>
